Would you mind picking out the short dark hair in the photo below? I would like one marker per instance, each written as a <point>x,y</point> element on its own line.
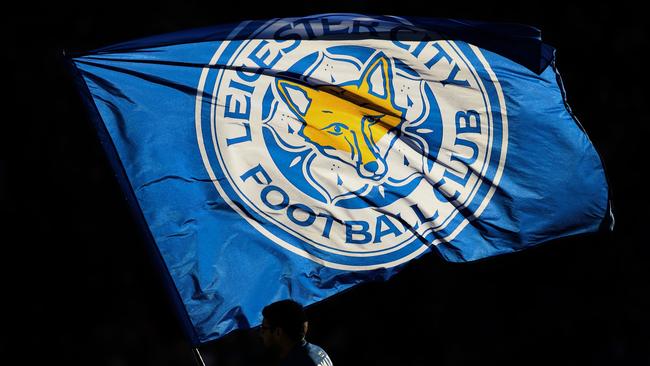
<point>288,315</point>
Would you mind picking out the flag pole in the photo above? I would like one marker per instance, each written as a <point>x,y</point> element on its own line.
<point>197,356</point>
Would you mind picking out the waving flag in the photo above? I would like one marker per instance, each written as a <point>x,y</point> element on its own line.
<point>294,158</point>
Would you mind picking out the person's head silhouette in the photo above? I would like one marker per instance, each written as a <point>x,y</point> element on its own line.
<point>283,330</point>
<point>284,326</point>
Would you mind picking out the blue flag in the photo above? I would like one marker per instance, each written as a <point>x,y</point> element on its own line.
<point>297,157</point>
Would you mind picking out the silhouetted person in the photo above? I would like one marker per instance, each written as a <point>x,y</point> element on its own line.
<point>283,332</point>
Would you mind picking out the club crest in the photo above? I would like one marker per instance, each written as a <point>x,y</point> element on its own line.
<point>354,154</point>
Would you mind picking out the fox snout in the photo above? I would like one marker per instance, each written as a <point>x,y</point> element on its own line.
<point>374,170</point>
<point>370,163</point>
<point>350,138</point>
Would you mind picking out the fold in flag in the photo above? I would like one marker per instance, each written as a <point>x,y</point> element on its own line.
<point>297,157</point>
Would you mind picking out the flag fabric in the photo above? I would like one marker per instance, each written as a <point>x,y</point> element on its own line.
<point>297,157</point>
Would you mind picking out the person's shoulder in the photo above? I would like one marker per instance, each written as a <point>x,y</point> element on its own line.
<point>318,355</point>
<point>307,354</point>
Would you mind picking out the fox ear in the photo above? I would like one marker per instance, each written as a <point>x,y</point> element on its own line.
<point>296,96</point>
<point>375,79</point>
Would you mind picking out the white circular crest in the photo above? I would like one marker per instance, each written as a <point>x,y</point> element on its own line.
<point>355,154</point>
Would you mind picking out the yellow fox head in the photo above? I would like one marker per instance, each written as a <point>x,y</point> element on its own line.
<point>347,122</point>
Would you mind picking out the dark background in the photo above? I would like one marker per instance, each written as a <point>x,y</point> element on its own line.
<point>78,287</point>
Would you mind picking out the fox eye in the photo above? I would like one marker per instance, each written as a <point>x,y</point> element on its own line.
<point>335,128</point>
<point>373,119</point>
